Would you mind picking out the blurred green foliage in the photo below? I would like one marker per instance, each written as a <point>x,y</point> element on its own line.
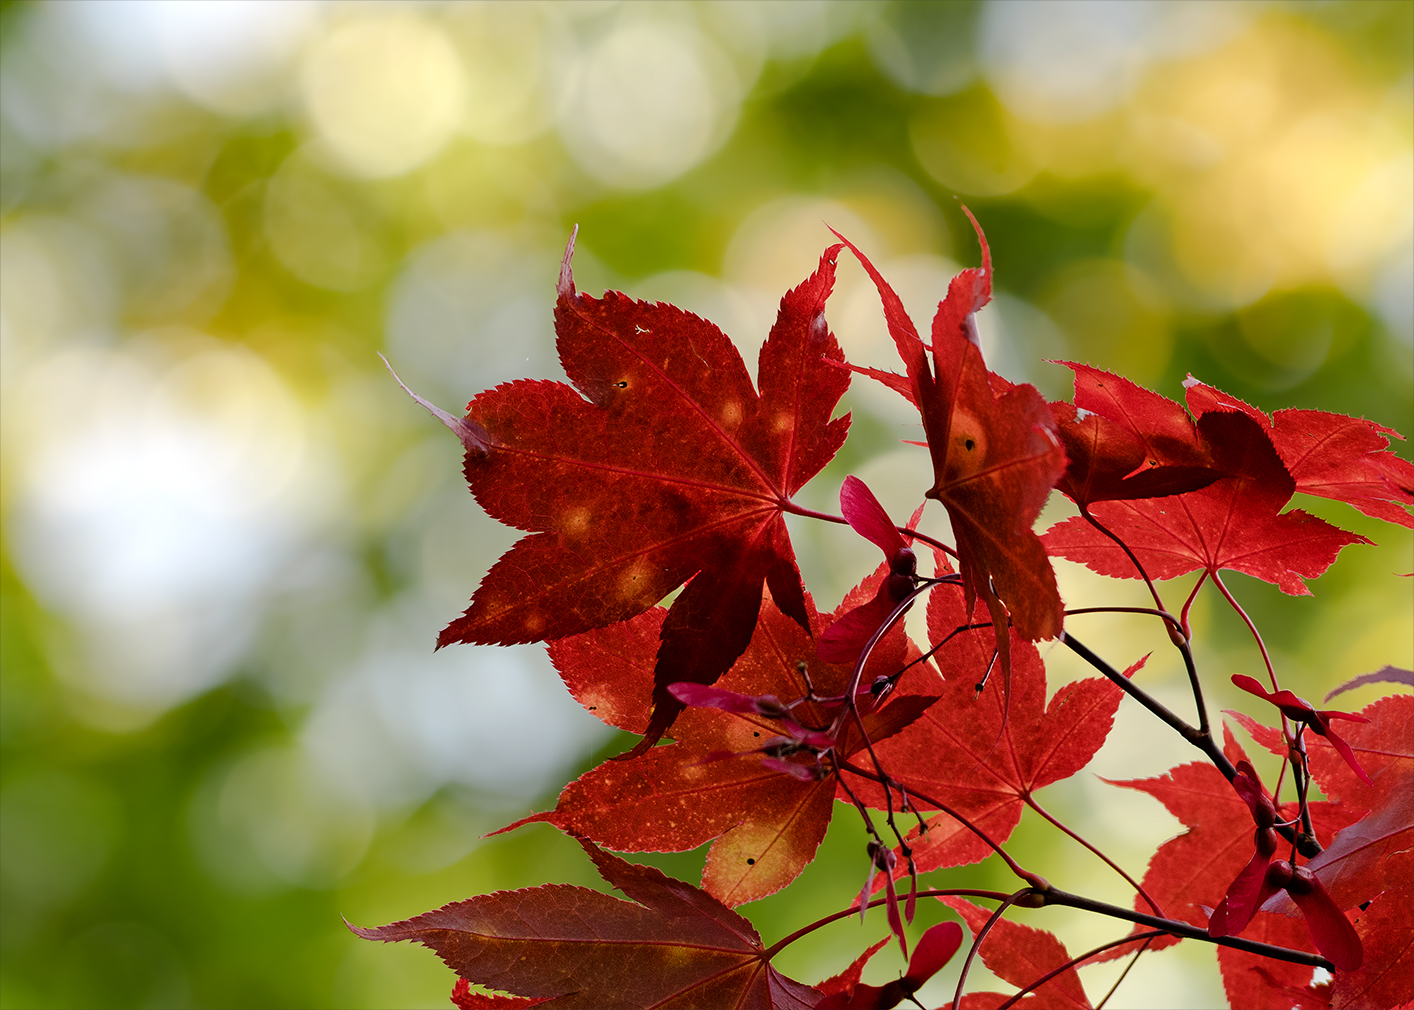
<point>203,760</point>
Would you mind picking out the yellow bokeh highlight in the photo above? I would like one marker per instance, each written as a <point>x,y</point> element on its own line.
<point>384,92</point>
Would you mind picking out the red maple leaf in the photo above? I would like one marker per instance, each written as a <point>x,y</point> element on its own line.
<point>1330,455</point>
<point>1251,980</point>
<point>968,752</point>
<point>1384,746</point>
<point>672,944</point>
<point>1373,855</point>
<point>1386,979</point>
<point>1301,711</point>
<point>995,455</point>
<point>715,782</point>
<point>935,949</point>
<point>1020,955</point>
<point>660,465</point>
<point>1192,872</point>
<point>1373,850</point>
<point>1123,441</point>
<point>1235,523</point>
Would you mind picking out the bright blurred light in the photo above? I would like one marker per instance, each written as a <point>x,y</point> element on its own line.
<point>274,817</point>
<point>385,92</point>
<point>408,720</point>
<point>154,506</point>
<point>648,101</point>
<point>471,310</point>
<point>234,56</point>
<point>1274,166</point>
<point>513,55</point>
<point>165,242</point>
<point>1061,61</point>
<point>799,29</point>
<point>55,287</point>
<point>926,47</point>
<point>318,233</point>
<point>972,145</point>
<point>1394,295</point>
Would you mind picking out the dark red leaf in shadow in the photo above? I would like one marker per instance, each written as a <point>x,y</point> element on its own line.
<point>671,944</point>
<point>1235,523</point>
<point>1123,441</point>
<point>1384,675</point>
<point>1330,455</point>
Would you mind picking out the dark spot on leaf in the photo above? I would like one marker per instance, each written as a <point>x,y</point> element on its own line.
<point>970,444</point>
<point>751,862</point>
<point>622,384</point>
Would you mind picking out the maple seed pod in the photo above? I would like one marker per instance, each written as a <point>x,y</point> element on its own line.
<point>1267,840</point>
<point>771,707</point>
<point>782,746</point>
<point>1280,875</point>
<point>903,562</point>
<point>1303,881</point>
<point>882,856</point>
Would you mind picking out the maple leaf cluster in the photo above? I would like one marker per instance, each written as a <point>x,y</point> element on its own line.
<point>662,467</point>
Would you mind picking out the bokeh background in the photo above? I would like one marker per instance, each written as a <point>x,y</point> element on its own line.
<point>230,540</point>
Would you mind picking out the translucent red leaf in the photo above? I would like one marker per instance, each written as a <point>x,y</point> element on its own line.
<point>465,999</point>
<point>935,949</point>
<point>1373,855</point>
<point>1235,523</point>
<point>1123,441</point>
<point>1194,870</point>
<point>660,465</point>
<point>713,784</point>
<point>1021,954</point>
<point>1386,977</point>
<point>1384,746</point>
<point>968,752</point>
<point>1335,937</point>
<point>1330,455</point>
<point>1253,981</point>
<point>671,944</point>
<point>995,456</point>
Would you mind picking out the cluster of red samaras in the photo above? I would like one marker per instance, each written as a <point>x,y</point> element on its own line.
<point>663,466</point>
